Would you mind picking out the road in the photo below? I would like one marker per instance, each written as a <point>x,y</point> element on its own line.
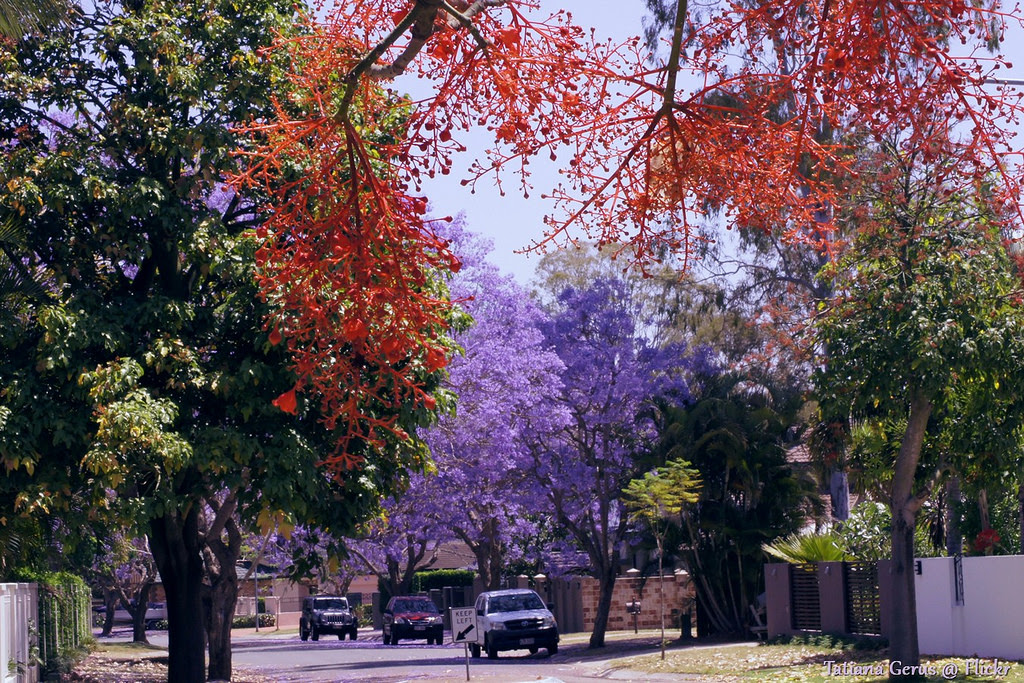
<point>333,660</point>
<point>282,657</point>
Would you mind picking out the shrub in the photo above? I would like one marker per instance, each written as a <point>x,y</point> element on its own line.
<point>249,621</point>
<point>441,578</point>
<point>65,619</point>
<point>364,613</point>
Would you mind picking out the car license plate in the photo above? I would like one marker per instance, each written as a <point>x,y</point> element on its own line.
<point>526,641</point>
<point>420,628</point>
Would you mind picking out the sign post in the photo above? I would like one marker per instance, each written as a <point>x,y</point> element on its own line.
<point>464,629</point>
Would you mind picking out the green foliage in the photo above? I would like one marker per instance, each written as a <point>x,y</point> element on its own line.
<point>65,618</point>
<point>364,613</point>
<point>1004,511</point>
<point>659,496</point>
<point>733,437</point>
<point>833,641</point>
<point>19,17</point>
<point>929,308</point>
<point>807,547</point>
<point>149,370</point>
<point>866,534</point>
<point>441,578</point>
<point>141,389</point>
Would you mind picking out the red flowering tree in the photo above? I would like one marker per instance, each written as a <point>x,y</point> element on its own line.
<point>738,117</point>
<point>647,147</point>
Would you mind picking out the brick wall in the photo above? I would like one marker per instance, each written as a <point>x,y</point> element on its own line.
<point>576,598</point>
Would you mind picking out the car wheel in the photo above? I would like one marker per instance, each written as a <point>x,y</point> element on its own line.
<point>533,650</point>
<point>386,637</point>
<point>303,634</point>
<point>351,634</point>
<point>474,650</point>
<point>341,636</point>
<point>394,639</point>
<point>315,634</point>
<point>492,651</point>
<point>553,650</point>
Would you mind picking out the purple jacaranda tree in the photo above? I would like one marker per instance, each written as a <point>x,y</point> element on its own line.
<point>123,570</point>
<point>611,384</point>
<point>405,538</point>
<point>503,382</point>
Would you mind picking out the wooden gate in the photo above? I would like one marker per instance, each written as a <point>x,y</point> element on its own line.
<point>863,607</point>
<point>805,598</point>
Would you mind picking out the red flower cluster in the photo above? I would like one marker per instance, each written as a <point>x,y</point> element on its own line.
<point>986,539</point>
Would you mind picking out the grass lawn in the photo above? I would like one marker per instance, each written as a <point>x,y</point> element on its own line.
<point>824,660</point>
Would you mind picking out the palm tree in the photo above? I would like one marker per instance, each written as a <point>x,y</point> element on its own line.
<point>733,436</point>
<point>18,17</point>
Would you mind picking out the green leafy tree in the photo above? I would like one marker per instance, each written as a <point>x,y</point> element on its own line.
<point>733,436</point>
<point>656,501</point>
<point>925,341</point>
<point>144,388</point>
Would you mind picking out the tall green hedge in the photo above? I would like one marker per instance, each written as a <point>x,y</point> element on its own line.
<point>441,578</point>
<point>65,626</point>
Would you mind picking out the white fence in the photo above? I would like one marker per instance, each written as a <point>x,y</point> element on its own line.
<point>18,632</point>
<point>973,610</point>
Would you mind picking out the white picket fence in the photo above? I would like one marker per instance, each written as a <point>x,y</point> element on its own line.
<point>19,633</point>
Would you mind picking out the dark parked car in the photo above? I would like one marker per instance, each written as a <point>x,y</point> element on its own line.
<point>411,617</point>
<point>324,614</point>
<point>155,613</point>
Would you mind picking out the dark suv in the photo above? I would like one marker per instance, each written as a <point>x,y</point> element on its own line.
<point>412,617</point>
<point>327,614</point>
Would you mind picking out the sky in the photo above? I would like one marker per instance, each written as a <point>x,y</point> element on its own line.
<point>511,221</point>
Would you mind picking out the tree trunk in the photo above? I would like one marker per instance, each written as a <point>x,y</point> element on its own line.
<point>983,510</point>
<point>954,539</point>
<point>139,615</point>
<point>903,646</point>
<point>109,604</point>
<point>174,541</point>
<point>604,604</point>
<point>1020,515</point>
<point>839,491</point>
<point>903,504</point>
<point>221,559</point>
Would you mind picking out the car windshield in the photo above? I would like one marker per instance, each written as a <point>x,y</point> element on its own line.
<point>330,603</point>
<point>519,602</point>
<point>415,606</point>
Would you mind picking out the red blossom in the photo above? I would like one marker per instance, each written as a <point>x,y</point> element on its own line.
<point>351,265</point>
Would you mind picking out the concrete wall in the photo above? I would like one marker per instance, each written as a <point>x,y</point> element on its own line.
<point>988,623</point>
<point>19,610</point>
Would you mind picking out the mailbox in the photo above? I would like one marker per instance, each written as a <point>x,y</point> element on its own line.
<point>633,607</point>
